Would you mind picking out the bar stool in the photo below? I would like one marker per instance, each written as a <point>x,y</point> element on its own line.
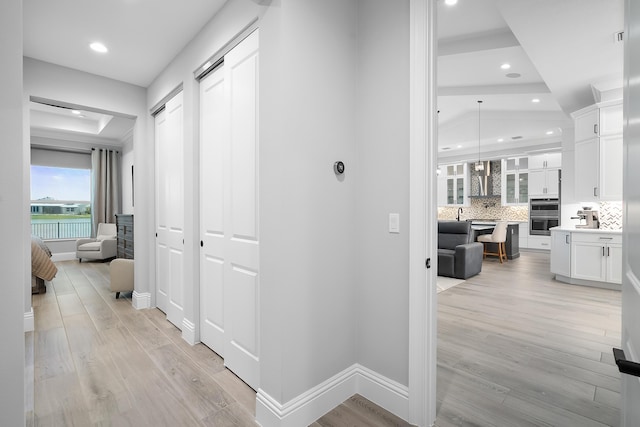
<point>499,236</point>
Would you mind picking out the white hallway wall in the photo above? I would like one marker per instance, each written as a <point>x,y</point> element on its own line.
<point>14,265</point>
<point>383,187</point>
<point>334,285</point>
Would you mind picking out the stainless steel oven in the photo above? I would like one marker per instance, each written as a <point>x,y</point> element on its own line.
<point>543,214</point>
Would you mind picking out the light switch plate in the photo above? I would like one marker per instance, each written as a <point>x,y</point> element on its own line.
<point>394,223</point>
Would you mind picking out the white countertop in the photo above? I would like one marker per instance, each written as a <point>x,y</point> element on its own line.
<point>493,223</point>
<point>586,230</point>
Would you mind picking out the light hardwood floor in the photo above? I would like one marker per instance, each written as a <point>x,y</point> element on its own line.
<point>515,349</point>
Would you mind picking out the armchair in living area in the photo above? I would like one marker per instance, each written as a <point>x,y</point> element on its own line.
<point>103,246</point>
<point>458,255</point>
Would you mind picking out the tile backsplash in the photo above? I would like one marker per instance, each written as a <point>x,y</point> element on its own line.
<point>491,208</point>
<point>486,208</point>
<point>611,215</point>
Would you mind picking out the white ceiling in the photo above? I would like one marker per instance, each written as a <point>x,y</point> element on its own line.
<point>560,48</point>
<point>142,36</point>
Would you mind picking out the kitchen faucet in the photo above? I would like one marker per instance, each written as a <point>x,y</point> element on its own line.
<point>459,212</point>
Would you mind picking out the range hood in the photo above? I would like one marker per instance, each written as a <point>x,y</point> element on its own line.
<point>486,181</point>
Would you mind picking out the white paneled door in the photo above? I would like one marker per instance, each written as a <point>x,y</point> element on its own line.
<point>170,210</point>
<point>630,388</point>
<point>229,263</point>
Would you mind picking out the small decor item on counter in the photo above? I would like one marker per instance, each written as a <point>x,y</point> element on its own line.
<point>589,216</point>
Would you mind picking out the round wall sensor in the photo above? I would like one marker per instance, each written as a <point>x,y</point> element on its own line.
<point>338,168</point>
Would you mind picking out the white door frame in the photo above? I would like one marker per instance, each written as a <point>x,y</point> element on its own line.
<point>422,212</point>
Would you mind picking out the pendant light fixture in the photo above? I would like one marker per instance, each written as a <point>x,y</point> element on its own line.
<point>479,165</point>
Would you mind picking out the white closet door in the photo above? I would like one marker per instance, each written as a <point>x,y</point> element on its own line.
<point>170,210</point>
<point>229,256</point>
<point>214,146</point>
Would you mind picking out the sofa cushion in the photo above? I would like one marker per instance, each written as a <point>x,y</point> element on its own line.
<point>446,262</point>
<point>92,246</point>
<point>453,233</point>
<point>106,237</point>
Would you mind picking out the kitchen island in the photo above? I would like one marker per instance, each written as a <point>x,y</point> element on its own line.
<point>512,244</point>
<point>587,256</point>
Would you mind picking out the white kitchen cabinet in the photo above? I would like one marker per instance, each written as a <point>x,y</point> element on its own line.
<point>539,242</point>
<point>598,152</point>
<point>599,169</point>
<point>545,161</point>
<point>587,175</point>
<point>515,181</point>
<point>544,182</point>
<point>596,257</point>
<point>598,120</point>
<point>561,252</point>
<point>614,263</point>
<point>611,154</point>
<point>586,123</point>
<point>453,185</point>
<point>611,119</point>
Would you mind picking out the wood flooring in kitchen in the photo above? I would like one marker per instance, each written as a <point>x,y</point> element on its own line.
<point>515,348</point>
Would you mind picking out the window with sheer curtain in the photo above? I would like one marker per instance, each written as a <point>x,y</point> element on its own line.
<point>60,194</point>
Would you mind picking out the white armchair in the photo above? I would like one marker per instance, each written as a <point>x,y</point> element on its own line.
<point>104,246</point>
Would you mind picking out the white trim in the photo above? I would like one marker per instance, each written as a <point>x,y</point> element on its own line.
<point>422,212</point>
<point>141,300</point>
<point>391,395</point>
<point>314,403</point>
<point>189,331</point>
<point>63,256</point>
<point>29,321</point>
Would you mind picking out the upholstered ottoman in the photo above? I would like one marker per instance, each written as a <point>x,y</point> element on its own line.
<point>121,272</point>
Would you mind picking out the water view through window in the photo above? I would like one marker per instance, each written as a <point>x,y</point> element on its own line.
<point>60,202</point>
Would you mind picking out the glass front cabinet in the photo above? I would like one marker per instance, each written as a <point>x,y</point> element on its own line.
<point>515,181</point>
<point>453,184</point>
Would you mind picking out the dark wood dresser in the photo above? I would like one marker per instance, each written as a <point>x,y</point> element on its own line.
<point>124,223</point>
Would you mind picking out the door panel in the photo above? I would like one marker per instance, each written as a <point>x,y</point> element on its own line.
<point>162,250</point>
<point>170,210</point>
<point>242,269</point>
<point>214,140</point>
<point>230,280</point>
<point>631,216</point>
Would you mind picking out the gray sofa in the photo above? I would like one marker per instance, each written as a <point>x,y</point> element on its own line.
<point>458,255</point>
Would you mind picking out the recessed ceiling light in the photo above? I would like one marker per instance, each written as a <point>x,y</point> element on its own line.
<point>459,146</point>
<point>99,47</point>
<point>549,132</point>
<point>76,112</point>
<point>513,75</point>
<point>535,100</point>
<point>501,140</point>
<point>450,2</point>
<point>505,66</point>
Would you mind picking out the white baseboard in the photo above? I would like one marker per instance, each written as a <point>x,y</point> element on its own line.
<point>63,256</point>
<point>29,321</point>
<point>189,331</point>
<point>314,403</point>
<point>391,395</point>
<point>141,300</point>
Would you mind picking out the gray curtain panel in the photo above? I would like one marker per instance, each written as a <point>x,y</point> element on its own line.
<point>105,182</point>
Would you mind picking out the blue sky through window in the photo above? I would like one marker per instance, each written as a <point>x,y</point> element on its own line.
<point>60,183</point>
